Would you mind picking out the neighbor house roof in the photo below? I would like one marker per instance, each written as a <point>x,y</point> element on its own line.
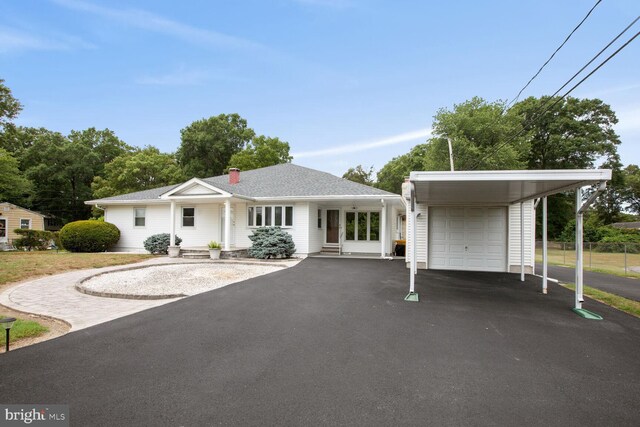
<point>24,209</point>
<point>280,181</point>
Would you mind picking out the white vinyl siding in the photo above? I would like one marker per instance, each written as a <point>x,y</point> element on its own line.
<point>421,236</point>
<point>514,237</point>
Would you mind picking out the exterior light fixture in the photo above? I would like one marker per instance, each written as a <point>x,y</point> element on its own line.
<point>7,324</point>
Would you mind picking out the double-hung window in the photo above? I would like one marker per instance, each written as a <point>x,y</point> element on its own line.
<point>139,217</point>
<point>363,226</point>
<point>188,217</point>
<point>25,223</point>
<point>270,215</point>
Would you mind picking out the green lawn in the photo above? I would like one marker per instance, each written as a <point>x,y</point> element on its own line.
<point>604,262</point>
<point>623,304</point>
<point>21,329</point>
<point>16,266</point>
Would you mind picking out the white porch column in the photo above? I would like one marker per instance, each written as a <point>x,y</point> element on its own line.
<point>227,225</point>
<point>383,232</point>
<point>172,222</point>
<point>544,245</point>
<point>521,241</point>
<point>579,297</point>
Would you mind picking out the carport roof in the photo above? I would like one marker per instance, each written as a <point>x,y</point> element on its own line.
<point>499,187</point>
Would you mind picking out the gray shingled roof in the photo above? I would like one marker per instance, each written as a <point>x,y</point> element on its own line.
<point>285,180</point>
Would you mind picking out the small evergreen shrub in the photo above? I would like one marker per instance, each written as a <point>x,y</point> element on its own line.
<point>158,244</point>
<point>89,236</point>
<point>271,242</point>
<point>31,240</point>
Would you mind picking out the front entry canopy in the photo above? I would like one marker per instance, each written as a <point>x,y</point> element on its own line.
<point>499,187</point>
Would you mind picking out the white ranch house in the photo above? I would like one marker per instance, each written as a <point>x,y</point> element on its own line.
<point>321,212</point>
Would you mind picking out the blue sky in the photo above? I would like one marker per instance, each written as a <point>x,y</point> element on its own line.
<point>345,82</point>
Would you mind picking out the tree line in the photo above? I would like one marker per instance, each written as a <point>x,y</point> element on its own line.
<point>55,174</point>
<point>536,133</point>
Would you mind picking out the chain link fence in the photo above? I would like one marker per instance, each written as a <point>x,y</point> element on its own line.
<point>618,257</point>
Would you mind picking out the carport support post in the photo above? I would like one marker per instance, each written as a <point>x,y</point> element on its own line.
<point>412,295</point>
<point>544,245</point>
<point>521,241</point>
<point>579,297</point>
<point>383,226</point>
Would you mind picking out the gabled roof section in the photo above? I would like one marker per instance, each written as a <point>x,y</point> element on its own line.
<point>194,188</point>
<point>24,209</point>
<point>290,181</point>
<point>284,181</point>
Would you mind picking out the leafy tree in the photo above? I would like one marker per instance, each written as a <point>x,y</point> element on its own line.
<point>14,187</point>
<point>479,131</point>
<point>62,172</point>
<point>146,169</point>
<point>208,144</point>
<point>359,175</point>
<point>261,152</point>
<point>17,139</point>
<point>104,143</point>
<point>392,174</point>
<point>632,187</point>
<point>10,107</point>
<point>573,133</point>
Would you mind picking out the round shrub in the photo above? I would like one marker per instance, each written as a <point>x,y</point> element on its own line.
<point>271,242</point>
<point>158,244</point>
<point>89,236</point>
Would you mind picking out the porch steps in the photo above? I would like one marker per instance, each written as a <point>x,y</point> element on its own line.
<point>330,250</point>
<point>194,253</point>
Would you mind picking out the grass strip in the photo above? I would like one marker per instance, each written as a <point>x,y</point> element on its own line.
<point>629,306</point>
<point>22,329</point>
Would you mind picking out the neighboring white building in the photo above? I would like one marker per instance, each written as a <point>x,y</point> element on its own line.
<point>321,211</point>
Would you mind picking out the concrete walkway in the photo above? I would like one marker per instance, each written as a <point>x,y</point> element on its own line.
<point>56,296</point>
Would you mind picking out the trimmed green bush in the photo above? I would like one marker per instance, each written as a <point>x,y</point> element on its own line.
<point>271,242</point>
<point>89,236</point>
<point>31,240</point>
<point>158,244</point>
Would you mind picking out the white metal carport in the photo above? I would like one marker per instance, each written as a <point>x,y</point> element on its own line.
<point>505,187</point>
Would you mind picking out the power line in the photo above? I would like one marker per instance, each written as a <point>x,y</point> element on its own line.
<point>565,94</point>
<point>553,54</point>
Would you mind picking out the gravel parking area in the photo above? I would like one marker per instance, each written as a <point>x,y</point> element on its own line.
<point>172,280</point>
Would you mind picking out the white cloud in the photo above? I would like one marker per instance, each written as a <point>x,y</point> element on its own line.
<point>151,22</point>
<point>362,146</point>
<point>180,77</point>
<point>338,4</point>
<point>14,40</point>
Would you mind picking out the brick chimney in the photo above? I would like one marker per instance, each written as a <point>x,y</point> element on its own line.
<point>234,176</point>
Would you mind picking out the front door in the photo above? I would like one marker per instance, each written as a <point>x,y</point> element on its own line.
<point>333,225</point>
<point>3,230</point>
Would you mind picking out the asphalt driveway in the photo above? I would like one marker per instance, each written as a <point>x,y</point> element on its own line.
<point>332,342</point>
<point>624,286</point>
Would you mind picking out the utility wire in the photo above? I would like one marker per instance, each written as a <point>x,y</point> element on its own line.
<point>498,147</point>
<point>553,54</point>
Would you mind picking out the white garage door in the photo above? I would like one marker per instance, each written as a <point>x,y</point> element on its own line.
<point>468,238</point>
